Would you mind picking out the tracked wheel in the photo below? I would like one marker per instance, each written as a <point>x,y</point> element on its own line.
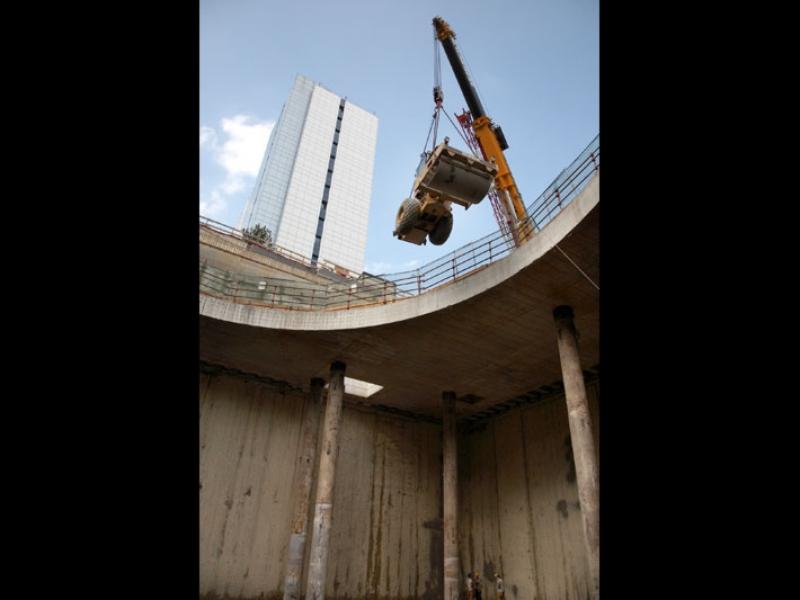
<point>407,216</point>
<point>442,230</point>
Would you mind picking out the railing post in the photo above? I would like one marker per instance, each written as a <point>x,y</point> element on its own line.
<point>490,251</point>
<point>203,268</point>
<point>349,292</point>
<point>419,283</point>
<point>594,162</point>
<point>454,266</point>
<point>313,291</point>
<point>558,195</point>
<point>385,288</point>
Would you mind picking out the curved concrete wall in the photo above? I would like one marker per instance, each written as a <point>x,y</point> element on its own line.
<point>228,253</point>
<point>434,300</point>
<point>518,503</point>
<point>517,500</point>
<point>386,533</point>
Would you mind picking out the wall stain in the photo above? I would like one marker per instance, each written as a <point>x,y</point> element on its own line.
<point>531,528</point>
<point>378,560</point>
<point>435,590</point>
<point>571,477</point>
<point>488,572</point>
<point>426,579</point>
<point>436,565</point>
<point>371,545</point>
<point>379,541</point>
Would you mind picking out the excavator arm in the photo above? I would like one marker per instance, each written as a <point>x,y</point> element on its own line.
<point>490,136</point>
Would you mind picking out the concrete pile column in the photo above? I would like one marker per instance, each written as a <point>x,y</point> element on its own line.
<point>452,570</point>
<point>318,559</point>
<point>305,464</point>
<point>580,429</point>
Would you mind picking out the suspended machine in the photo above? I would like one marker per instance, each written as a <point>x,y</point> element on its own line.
<point>447,175</point>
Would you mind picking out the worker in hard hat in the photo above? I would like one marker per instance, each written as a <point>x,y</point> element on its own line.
<point>470,586</point>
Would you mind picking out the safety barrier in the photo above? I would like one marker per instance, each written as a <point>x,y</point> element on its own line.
<point>381,289</point>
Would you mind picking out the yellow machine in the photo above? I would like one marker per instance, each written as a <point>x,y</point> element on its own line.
<point>445,175</point>
<point>427,212</point>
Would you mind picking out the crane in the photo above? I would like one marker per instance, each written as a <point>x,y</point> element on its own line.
<point>490,137</point>
<point>447,175</point>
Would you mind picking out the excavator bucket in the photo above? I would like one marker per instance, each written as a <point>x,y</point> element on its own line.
<point>448,175</point>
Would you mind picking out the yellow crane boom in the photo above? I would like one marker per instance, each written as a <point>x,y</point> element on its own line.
<point>489,136</point>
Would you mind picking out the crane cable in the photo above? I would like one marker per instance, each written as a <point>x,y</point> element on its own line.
<point>459,132</point>
<point>577,267</point>
<point>437,84</point>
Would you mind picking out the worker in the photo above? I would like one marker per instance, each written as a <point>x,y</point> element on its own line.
<point>499,590</point>
<point>470,586</point>
<point>477,595</point>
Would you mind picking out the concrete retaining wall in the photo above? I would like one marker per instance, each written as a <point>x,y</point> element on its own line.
<point>234,255</point>
<point>518,503</point>
<point>386,532</point>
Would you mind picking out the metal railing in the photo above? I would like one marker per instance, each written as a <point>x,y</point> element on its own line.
<point>381,289</point>
<point>272,248</point>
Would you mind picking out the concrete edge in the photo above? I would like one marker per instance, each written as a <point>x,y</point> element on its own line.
<point>410,308</point>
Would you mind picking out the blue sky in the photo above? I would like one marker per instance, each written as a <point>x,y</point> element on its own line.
<point>535,64</point>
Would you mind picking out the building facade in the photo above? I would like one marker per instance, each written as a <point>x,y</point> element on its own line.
<point>314,187</point>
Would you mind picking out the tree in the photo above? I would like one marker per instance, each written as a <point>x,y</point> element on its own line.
<point>258,233</point>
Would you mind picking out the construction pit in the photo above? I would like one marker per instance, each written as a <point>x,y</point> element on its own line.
<point>385,446</point>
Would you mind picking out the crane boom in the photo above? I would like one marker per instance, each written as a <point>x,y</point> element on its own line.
<point>490,136</point>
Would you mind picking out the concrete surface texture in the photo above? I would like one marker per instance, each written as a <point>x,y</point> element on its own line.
<point>581,436</point>
<point>519,512</point>
<point>490,335</point>
<point>452,569</point>
<point>386,535</point>
<point>326,478</point>
<point>304,480</point>
<point>518,500</point>
<point>227,253</point>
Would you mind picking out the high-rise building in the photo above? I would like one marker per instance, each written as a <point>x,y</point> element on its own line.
<point>315,183</point>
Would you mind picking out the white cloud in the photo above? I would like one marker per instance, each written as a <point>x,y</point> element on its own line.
<point>384,268</point>
<point>239,150</point>
<point>377,267</point>
<point>231,185</point>
<point>242,152</point>
<point>208,137</point>
<point>213,205</point>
